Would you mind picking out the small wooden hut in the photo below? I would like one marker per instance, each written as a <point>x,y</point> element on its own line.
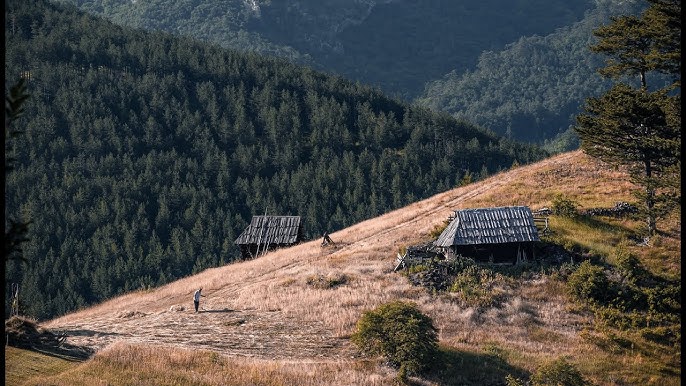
<point>267,233</point>
<point>497,235</point>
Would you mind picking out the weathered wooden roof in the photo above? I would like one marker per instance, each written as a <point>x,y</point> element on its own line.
<point>501,225</point>
<point>271,230</point>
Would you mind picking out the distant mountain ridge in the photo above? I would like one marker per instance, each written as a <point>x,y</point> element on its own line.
<point>532,89</point>
<point>397,45</point>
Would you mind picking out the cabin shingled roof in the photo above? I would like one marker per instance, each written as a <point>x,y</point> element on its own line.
<point>489,226</point>
<point>271,230</point>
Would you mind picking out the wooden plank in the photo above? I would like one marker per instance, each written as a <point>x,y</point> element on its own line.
<point>399,260</point>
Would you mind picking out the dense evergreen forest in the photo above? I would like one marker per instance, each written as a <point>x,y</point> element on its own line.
<point>520,68</point>
<point>400,45</point>
<point>397,45</point>
<point>533,89</point>
<point>144,155</point>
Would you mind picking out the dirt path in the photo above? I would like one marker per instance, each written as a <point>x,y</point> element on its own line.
<point>247,333</point>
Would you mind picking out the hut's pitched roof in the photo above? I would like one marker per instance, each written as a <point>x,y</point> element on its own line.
<point>490,226</point>
<point>271,230</point>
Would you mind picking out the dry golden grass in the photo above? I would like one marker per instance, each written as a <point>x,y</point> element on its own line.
<point>132,364</point>
<point>264,316</point>
<point>22,365</point>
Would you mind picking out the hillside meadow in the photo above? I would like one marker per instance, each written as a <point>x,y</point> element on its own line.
<point>286,317</point>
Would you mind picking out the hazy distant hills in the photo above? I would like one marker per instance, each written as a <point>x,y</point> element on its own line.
<point>407,47</point>
<point>534,87</point>
<point>398,45</point>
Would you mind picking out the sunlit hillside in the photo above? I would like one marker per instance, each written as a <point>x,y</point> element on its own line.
<point>270,319</point>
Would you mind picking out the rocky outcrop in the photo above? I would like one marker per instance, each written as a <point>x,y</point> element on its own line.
<point>620,209</point>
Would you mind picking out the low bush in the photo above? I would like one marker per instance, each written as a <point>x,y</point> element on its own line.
<point>626,295</point>
<point>664,298</point>
<point>588,283</point>
<point>477,287</point>
<point>564,207</point>
<point>563,271</point>
<point>557,372</point>
<point>628,265</point>
<point>326,282</point>
<point>417,268</point>
<point>401,333</point>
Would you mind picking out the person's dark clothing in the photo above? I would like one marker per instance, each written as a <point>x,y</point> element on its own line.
<point>196,299</point>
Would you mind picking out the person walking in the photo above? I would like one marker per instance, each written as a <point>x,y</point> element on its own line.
<point>196,298</point>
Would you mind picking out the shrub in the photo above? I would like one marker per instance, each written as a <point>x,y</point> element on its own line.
<point>510,380</point>
<point>476,286</point>
<point>563,271</point>
<point>460,264</point>
<point>663,335</point>
<point>588,283</point>
<point>628,265</point>
<point>399,332</point>
<point>417,268</point>
<point>664,298</point>
<point>558,372</point>
<point>613,317</point>
<point>320,281</point>
<point>563,206</point>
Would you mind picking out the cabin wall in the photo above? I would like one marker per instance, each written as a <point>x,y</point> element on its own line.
<point>493,253</point>
<point>249,251</point>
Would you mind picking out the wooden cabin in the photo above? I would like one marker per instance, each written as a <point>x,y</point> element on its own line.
<point>267,233</point>
<point>503,235</point>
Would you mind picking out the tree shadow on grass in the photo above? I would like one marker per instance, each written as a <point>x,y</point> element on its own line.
<point>24,333</point>
<point>599,223</point>
<point>455,367</point>
<point>65,351</point>
<point>85,332</point>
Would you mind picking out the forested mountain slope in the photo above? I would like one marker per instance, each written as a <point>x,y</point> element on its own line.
<point>144,155</point>
<point>520,68</point>
<point>402,44</point>
<point>533,88</point>
<point>398,45</point>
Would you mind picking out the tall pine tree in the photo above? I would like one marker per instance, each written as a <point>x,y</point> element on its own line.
<point>632,126</point>
<point>15,235</point>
